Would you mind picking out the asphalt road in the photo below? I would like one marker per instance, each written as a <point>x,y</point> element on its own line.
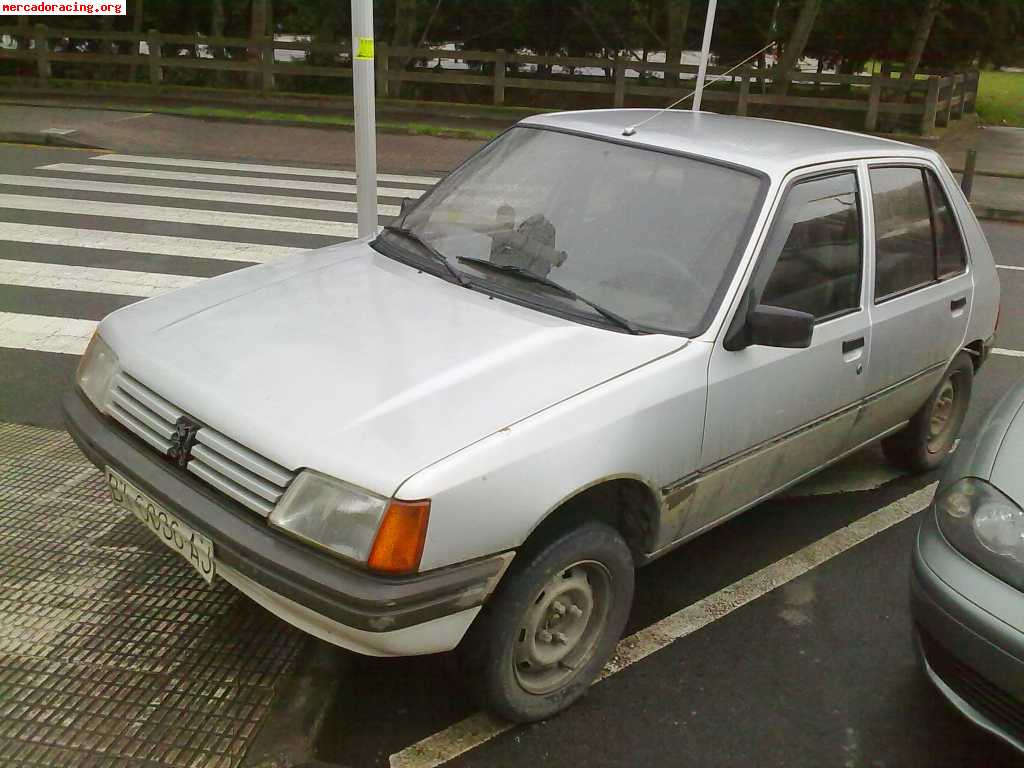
<point>817,672</point>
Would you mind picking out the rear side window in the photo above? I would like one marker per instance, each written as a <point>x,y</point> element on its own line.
<point>812,260</point>
<point>949,245</point>
<point>916,237</point>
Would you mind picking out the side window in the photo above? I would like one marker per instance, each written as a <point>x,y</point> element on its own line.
<point>812,260</point>
<point>949,245</point>
<point>904,250</point>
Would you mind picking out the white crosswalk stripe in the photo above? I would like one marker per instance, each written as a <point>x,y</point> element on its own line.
<point>45,334</point>
<point>131,242</point>
<point>181,193</point>
<point>90,279</point>
<point>257,168</point>
<point>237,181</point>
<point>77,258</point>
<point>178,215</point>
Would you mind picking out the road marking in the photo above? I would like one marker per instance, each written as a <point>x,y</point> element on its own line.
<point>131,242</point>
<point>198,216</point>
<point>191,193</point>
<point>58,131</point>
<point>288,170</point>
<point>477,729</point>
<point>133,117</point>
<point>1007,266</point>
<point>236,181</point>
<point>1008,352</point>
<point>40,333</point>
<point>63,277</point>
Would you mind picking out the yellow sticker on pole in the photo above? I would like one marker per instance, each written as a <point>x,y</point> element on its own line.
<point>365,49</point>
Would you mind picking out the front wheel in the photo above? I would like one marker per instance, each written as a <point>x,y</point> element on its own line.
<point>553,623</point>
<point>932,432</point>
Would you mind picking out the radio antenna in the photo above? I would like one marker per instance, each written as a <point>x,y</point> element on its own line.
<point>632,129</point>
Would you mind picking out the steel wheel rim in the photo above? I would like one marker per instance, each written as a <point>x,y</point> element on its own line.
<point>941,419</point>
<point>562,627</point>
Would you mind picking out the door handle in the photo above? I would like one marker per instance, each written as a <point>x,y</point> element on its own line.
<point>853,344</point>
<point>957,304</point>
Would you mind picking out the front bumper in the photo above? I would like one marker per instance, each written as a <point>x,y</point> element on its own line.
<point>335,601</point>
<point>971,655</point>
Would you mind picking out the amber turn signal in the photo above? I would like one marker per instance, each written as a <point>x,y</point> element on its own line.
<point>398,546</point>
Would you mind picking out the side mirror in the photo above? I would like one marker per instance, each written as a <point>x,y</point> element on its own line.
<point>406,206</point>
<point>779,327</point>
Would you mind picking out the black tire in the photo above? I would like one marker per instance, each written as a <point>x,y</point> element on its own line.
<point>920,447</point>
<point>512,674</point>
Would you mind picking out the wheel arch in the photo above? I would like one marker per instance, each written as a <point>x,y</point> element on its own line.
<point>625,502</point>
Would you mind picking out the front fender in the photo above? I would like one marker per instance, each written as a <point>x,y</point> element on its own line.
<point>646,424</point>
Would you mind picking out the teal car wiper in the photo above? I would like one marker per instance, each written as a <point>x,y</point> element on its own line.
<point>526,274</point>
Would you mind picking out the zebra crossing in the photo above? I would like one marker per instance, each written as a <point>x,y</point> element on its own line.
<point>79,239</point>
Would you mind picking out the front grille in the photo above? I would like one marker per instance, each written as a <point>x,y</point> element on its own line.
<point>233,469</point>
<point>1002,708</point>
<point>143,412</point>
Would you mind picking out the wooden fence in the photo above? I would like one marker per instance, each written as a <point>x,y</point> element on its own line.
<point>925,103</point>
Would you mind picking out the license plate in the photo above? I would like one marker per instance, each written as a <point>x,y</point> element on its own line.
<point>190,544</point>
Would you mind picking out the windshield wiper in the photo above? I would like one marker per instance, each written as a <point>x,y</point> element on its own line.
<point>436,255</point>
<point>526,274</point>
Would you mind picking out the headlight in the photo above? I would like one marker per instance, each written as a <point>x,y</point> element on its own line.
<point>986,526</point>
<point>386,534</point>
<point>96,370</point>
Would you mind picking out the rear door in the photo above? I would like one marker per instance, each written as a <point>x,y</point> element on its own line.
<point>922,291</point>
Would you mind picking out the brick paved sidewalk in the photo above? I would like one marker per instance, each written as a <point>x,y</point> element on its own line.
<point>113,651</point>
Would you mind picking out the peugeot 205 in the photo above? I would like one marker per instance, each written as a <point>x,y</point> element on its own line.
<point>590,343</point>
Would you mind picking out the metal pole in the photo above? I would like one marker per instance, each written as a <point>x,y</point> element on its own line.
<point>366,116</point>
<point>705,50</point>
<point>967,180</point>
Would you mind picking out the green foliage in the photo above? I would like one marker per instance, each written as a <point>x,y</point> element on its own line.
<point>1001,98</point>
<point>851,31</point>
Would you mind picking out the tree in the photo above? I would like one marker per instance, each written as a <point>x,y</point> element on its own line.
<point>794,49</point>
<point>918,43</point>
<point>677,15</point>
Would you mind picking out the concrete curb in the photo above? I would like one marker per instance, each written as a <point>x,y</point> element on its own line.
<point>38,138</point>
<point>289,734</point>
<point>987,213</point>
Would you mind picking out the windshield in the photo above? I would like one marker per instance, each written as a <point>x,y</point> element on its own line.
<point>650,236</point>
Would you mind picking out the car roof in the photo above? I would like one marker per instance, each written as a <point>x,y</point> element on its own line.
<point>772,146</point>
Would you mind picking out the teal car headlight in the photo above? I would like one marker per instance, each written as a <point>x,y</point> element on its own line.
<point>96,371</point>
<point>984,525</point>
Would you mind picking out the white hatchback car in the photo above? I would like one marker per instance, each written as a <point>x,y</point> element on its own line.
<point>584,347</point>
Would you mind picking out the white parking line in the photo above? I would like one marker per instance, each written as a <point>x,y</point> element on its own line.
<point>199,216</point>
<point>480,728</point>
<point>234,181</point>
<point>190,193</point>
<point>256,168</point>
<point>132,242</point>
<point>1008,352</point>
<point>40,333</point>
<point>1007,266</point>
<point>63,277</point>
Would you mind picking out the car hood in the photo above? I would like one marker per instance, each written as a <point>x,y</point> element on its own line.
<point>348,362</point>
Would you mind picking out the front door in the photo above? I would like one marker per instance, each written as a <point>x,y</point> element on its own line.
<point>774,415</point>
